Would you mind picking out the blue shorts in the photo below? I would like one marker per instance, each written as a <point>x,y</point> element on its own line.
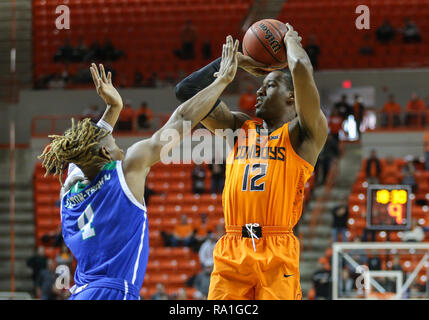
<point>106,289</point>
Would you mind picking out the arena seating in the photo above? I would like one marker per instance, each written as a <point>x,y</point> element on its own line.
<point>333,24</point>
<point>46,208</point>
<point>148,33</point>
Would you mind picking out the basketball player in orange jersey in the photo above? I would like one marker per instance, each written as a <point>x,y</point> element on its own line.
<point>258,257</point>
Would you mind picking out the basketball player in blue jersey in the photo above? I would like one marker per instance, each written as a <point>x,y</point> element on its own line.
<point>103,214</point>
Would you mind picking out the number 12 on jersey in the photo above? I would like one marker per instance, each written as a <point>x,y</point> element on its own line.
<point>261,170</point>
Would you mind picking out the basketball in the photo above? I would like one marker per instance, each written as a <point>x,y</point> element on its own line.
<point>263,42</point>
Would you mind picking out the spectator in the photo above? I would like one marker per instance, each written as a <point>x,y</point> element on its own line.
<point>144,116</point>
<point>148,192</point>
<point>220,228</point>
<point>202,229</point>
<point>57,82</point>
<point>408,172</point>
<point>389,171</point>
<point>426,148</point>
<point>82,75</point>
<point>366,49</point>
<point>396,265</point>
<point>58,239</point>
<point>374,261</point>
<point>344,109</point>
<point>65,75</point>
<point>64,53</point>
<point>80,51</point>
<point>170,79</point>
<point>218,177</point>
<point>183,234</point>
<point>198,178</point>
<point>138,79</point>
<point>64,257</point>
<point>206,250</point>
<point>180,294</point>
<point>313,51</point>
<point>247,101</point>
<point>206,50</point>
<point>359,254</point>
<point>358,112</point>
<point>373,168</point>
<point>416,234</point>
<point>385,32</point>
<point>322,280</point>
<point>94,53</point>
<point>152,81</point>
<point>202,282</point>
<point>92,112</point>
<point>188,37</point>
<point>346,285</point>
<point>109,52</point>
<point>37,262</point>
<point>160,293</point>
<point>340,214</point>
<point>391,112</point>
<point>415,110</point>
<point>416,291</point>
<point>45,287</point>
<point>329,153</point>
<point>126,118</point>
<point>335,124</point>
<point>368,235</point>
<point>53,238</point>
<point>42,82</point>
<point>410,32</point>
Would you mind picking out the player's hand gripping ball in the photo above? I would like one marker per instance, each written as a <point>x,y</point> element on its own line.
<point>263,42</point>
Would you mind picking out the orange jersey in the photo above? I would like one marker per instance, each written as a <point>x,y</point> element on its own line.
<point>265,179</point>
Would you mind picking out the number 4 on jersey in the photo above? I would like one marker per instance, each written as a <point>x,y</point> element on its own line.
<point>86,228</point>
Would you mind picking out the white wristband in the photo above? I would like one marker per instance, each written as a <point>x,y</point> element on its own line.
<point>103,124</point>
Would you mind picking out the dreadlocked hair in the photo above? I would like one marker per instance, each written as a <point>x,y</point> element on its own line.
<point>78,145</point>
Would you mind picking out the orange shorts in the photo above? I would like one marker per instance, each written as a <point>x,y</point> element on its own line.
<point>269,273</point>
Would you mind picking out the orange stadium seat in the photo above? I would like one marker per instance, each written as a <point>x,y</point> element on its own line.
<point>215,19</point>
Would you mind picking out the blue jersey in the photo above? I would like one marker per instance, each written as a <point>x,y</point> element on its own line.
<point>106,229</point>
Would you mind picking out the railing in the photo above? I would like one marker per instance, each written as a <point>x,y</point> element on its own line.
<point>15,296</point>
<point>412,120</point>
<point>42,126</point>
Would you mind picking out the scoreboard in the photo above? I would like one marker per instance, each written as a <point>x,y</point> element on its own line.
<point>388,207</point>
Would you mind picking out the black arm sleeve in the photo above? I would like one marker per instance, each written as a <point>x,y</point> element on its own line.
<point>197,81</point>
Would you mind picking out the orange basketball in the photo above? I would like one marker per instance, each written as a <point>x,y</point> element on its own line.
<point>263,42</point>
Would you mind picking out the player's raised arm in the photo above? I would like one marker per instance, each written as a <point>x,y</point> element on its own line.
<point>108,93</point>
<point>307,101</point>
<point>113,100</point>
<point>145,153</point>
<point>220,117</point>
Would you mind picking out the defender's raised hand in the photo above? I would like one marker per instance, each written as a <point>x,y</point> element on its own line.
<point>291,34</point>
<point>229,62</point>
<point>104,86</point>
